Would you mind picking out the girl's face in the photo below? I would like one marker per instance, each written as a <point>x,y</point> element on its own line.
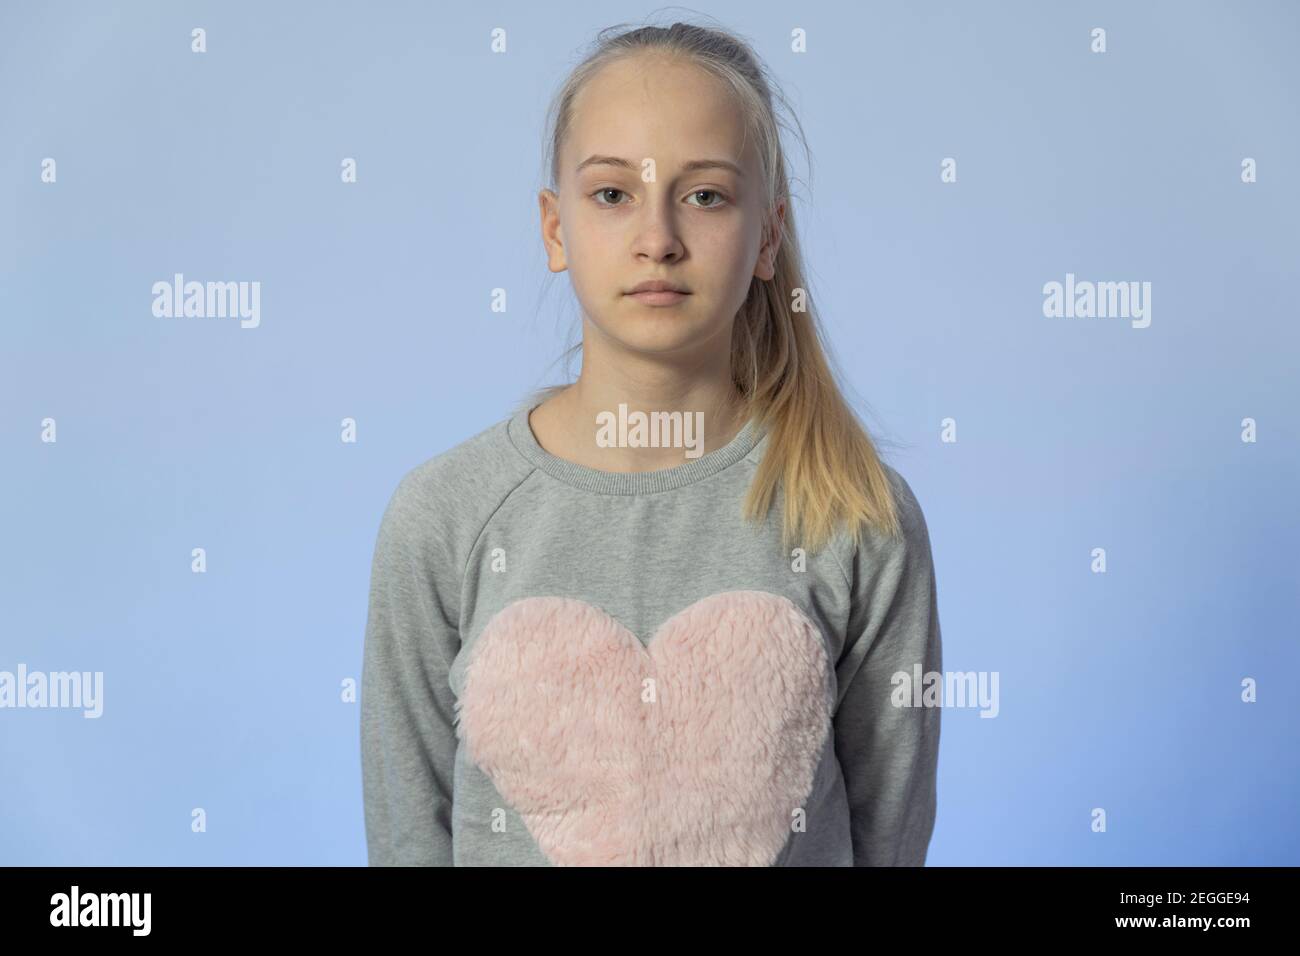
<point>700,222</point>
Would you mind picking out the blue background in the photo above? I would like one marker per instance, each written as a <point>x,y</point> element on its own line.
<point>222,690</point>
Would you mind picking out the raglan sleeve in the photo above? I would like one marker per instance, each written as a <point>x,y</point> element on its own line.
<point>888,752</point>
<point>408,740</point>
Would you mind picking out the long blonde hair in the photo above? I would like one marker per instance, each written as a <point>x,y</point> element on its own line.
<point>818,451</point>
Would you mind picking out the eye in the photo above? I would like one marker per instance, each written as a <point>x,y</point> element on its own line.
<point>720,200</point>
<point>606,189</point>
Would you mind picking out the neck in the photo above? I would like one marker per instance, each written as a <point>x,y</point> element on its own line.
<point>587,419</point>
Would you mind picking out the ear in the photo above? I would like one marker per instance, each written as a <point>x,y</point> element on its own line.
<point>765,268</point>
<point>552,234</point>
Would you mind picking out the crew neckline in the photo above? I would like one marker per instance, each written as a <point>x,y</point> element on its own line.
<point>630,482</point>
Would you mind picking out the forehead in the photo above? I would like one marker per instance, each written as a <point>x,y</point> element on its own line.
<point>652,106</point>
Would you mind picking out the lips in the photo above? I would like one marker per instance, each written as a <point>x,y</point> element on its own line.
<point>657,285</point>
<point>663,297</point>
<point>657,292</point>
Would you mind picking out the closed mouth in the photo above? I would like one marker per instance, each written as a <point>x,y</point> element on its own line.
<point>656,287</point>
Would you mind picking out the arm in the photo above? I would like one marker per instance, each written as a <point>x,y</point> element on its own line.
<point>408,743</point>
<point>889,754</point>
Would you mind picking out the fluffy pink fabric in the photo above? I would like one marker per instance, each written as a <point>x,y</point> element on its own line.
<point>693,751</point>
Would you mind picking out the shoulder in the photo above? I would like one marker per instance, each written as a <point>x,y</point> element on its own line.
<point>878,556</point>
<point>911,517</point>
<point>453,494</point>
<point>467,471</point>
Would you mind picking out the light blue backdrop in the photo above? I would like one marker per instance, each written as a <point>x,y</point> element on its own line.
<point>222,690</point>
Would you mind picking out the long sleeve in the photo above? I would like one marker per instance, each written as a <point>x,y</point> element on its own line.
<point>408,741</point>
<point>889,754</point>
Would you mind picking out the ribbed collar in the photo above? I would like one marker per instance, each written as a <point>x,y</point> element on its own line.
<point>630,482</point>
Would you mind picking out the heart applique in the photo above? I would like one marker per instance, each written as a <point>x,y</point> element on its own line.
<point>693,750</point>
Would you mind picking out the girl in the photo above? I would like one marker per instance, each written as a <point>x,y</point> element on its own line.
<point>586,647</point>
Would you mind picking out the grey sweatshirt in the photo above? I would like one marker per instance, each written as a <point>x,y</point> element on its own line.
<point>565,666</point>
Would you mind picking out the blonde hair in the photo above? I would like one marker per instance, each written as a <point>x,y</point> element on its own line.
<point>818,452</point>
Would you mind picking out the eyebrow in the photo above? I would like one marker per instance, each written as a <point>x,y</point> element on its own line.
<point>689,167</point>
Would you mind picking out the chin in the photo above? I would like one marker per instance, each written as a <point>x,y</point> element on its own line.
<point>663,331</point>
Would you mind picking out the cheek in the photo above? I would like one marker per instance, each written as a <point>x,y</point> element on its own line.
<point>729,247</point>
<point>593,236</point>
<point>590,253</point>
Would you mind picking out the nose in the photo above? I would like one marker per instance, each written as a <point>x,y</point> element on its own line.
<point>657,236</point>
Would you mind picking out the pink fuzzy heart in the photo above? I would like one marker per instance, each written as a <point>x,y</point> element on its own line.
<point>694,751</point>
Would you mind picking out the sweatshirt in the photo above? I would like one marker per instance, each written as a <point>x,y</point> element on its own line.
<point>565,666</point>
